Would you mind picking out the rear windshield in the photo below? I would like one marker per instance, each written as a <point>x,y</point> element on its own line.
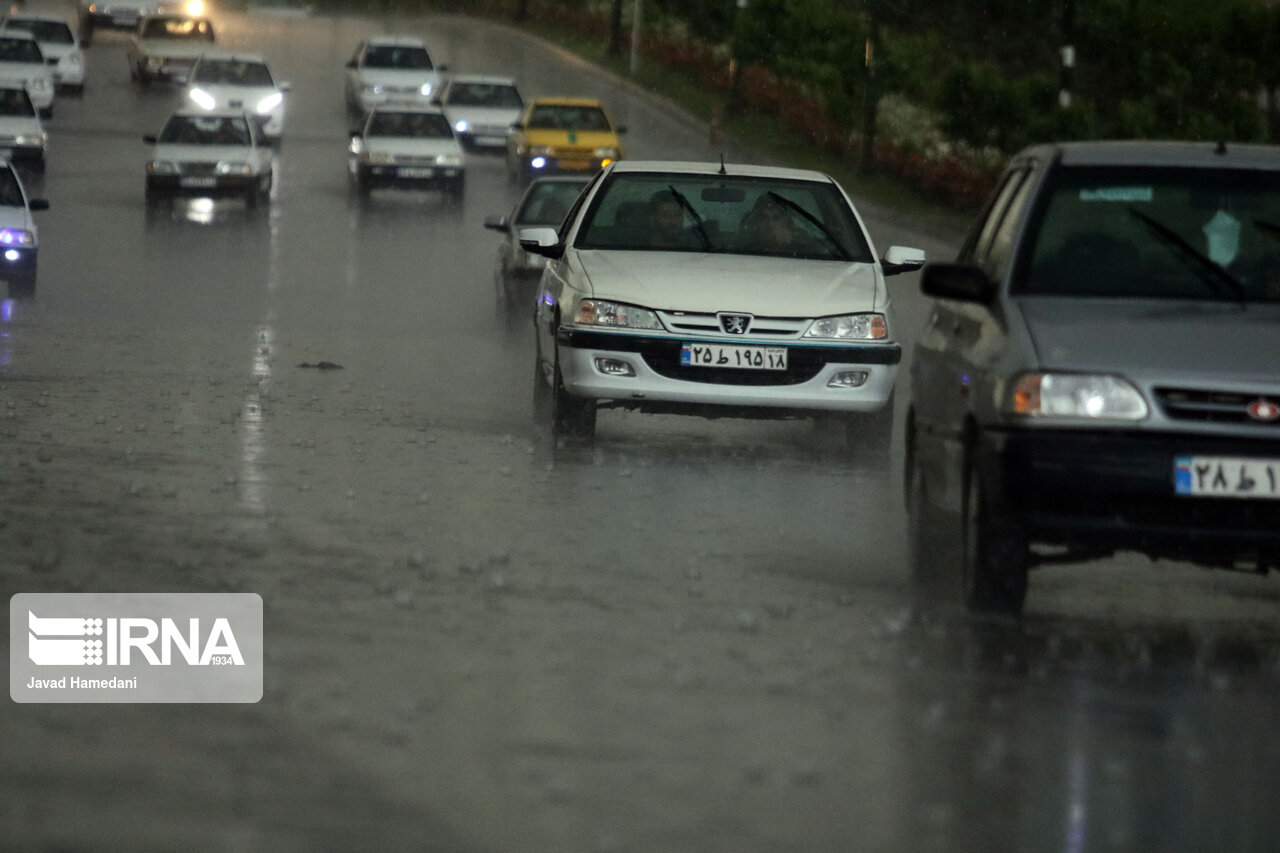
<point>724,214</point>
<point>383,56</point>
<point>1168,233</point>
<point>484,95</point>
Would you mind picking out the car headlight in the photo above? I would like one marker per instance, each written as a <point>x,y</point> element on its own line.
<point>377,157</point>
<point>598,312</point>
<point>202,99</point>
<point>232,167</point>
<point>461,125</point>
<point>1076,395</point>
<point>850,327</point>
<point>71,59</point>
<point>16,237</point>
<point>426,89</point>
<point>162,167</point>
<point>270,102</point>
<point>39,84</point>
<point>31,140</point>
<point>449,160</point>
<point>541,150</point>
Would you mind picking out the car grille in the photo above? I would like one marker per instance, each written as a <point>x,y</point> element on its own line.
<point>760,327</point>
<point>196,168</point>
<point>402,90</point>
<point>1221,407</point>
<point>488,129</point>
<point>412,160</point>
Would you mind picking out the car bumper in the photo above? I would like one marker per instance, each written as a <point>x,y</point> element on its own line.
<point>1116,491</point>
<point>589,361</point>
<point>536,166</point>
<point>22,154</point>
<point>18,265</point>
<point>222,185</point>
<point>414,177</point>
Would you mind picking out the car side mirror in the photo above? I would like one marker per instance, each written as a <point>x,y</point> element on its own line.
<point>962,282</point>
<point>900,259</point>
<point>495,223</point>
<point>38,204</point>
<point>285,87</point>
<point>149,138</point>
<point>542,241</point>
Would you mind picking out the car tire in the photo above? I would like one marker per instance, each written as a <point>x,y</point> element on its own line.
<point>572,417</point>
<point>995,553</point>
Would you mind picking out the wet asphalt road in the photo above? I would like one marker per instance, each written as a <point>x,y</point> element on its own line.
<point>690,636</point>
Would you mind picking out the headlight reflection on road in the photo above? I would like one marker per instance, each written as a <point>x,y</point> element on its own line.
<point>252,427</point>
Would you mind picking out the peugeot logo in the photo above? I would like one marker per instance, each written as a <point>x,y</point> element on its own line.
<point>735,324</point>
<point>1263,410</point>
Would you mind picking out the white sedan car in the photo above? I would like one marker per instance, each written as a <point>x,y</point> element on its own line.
<point>19,239</point>
<point>209,154</point>
<point>716,290</point>
<point>22,62</point>
<point>59,45</point>
<point>481,109</point>
<point>406,148</point>
<point>238,81</point>
<point>391,69</point>
<point>23,139</point>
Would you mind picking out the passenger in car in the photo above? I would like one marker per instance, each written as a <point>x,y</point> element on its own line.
<point>666,223</point>
<point>771,229</point>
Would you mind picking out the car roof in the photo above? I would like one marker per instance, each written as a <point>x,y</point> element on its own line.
<point>396,40</point>
<point>568,101</point>
<point>1224,155</point>
<point>685,167</point>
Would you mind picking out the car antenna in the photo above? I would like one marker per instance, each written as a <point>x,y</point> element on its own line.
<point>722,171</point>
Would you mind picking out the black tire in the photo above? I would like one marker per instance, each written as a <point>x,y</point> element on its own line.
<point>995,555</point>
<point>565,415</point>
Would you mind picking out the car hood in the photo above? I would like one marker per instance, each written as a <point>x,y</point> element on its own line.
<point>1155,338</point>
<point>23,70</point>
<point>202,153</point>
<point>697,282</point>
<point>398,77</point>
<point>484,116</point>
<point>408,146</point>
<point>57,50</point>
<point>11,126</point>
<point>576,138</point>
<point>242,96</point>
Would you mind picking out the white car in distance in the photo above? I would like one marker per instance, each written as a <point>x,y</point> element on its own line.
<point>222,80</point>
<point>62,50</point>
<point>406,148</point>
<point>391,69</point>
<point>208,155</point>
<point>19,239</point>
<point>23,139</point>
<point>22,62</point>
<point>481,108</point>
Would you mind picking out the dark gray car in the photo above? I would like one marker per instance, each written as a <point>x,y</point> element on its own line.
<point>1100,370</point>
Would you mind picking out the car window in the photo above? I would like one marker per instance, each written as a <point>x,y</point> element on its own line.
<point>16,102</point>
<point>391,56</point>
<point>10,191</point>
<point>54,32</point>
<point>999,255</point>
<point>1179,233</point>
<point>410,125</point>
<point>724,214</point>
<point>979,240</point>
<point>561,117</point>
<point>547,203</point>
<point>178,28</point>
<point>20,50</point>
<point>232,73</point>
<point>484,95</point>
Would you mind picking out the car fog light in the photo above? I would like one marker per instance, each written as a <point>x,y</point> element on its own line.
<point>538,162</point>
<point>12,254</point>
<point>614,367</point>
<point>848,379</point>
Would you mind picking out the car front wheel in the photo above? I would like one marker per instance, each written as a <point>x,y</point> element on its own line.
<point>556,408</point>
<point>996,556</point>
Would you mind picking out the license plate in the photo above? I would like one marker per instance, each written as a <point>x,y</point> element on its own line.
<point>491,140</point>
<point>739,357</point>
<point>1226,477</point>
<point>415,172</point>
<point>124,21</point>
<point>198,182</point>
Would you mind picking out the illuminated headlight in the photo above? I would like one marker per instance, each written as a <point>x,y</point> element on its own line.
<point>597,312</point>
<point>202,99</point>
<point>449,160</point>
<point>162,167</point>
<point>15,237</point>
<point>538,162</point>
<point>377,157</point>
<point>461,126</point>
<point>39,84</point>
<point>228,167</point>
<point>850,327</point>
<point>155,61</point>
<point>270,102</point>
<point>1076,395</point>
<point>426,89</point>
<point>31,140</point>
<point>195,7</point>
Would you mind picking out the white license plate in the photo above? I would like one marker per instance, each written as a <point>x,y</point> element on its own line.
<point>740,357</point>
<point>199,181</point>
<point>415,172</point>
<point>1226,477</point>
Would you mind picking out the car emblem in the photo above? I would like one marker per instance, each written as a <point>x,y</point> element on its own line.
<point>735,324</point>
<point>1263,410</point>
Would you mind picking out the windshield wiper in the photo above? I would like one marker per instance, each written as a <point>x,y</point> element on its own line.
<point>831,238</point>
<point>1224,280</point>
<point>698,227</point>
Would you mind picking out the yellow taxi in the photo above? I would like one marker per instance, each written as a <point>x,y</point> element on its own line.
<point>562,135</point>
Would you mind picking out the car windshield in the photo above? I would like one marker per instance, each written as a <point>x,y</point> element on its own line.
<point>1164,233</point>
<point>393,56</point>
<point>484,95</point>
<point>10,192</point>
<point>232,73</point>
<point>20,50</point>
<point>547,202</point>
<point>410,124</point>
<point>16,102</point>
<point>206,130</point>
<point>724,214</point>
<point>177,28</point>
<point>54,32</point>
<point>564,117</point>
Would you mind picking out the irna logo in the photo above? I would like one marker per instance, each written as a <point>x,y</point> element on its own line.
<point>122,641</point>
